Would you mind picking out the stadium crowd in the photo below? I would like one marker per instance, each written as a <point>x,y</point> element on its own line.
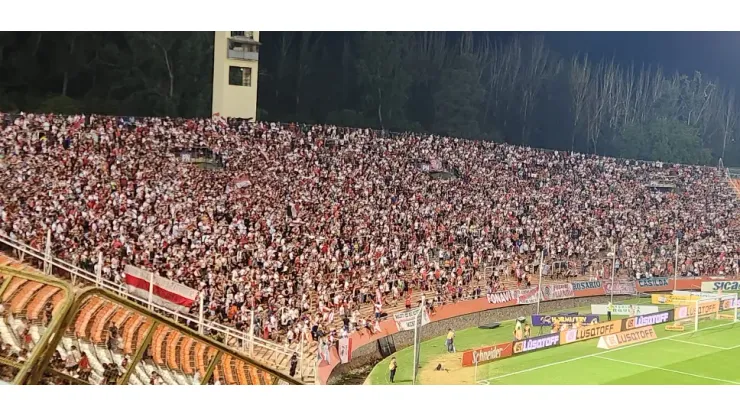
<point>304,225</point>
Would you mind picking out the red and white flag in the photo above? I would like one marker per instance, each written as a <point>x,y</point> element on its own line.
<point>345,350</point>
<point>165,292</point>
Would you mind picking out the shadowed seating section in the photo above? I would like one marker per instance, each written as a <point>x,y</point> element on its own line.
<point>24,316</point>
<point>109,333</point>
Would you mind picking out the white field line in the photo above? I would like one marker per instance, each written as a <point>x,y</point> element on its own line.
<point>486,381</point>
<point>701,345</point>
<point>668,370</point>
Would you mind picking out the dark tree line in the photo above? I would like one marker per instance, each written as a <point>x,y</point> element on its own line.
<point>460,84</point>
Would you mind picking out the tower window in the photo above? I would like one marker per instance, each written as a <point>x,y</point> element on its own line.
<point>248,35</point>
<point>240,76</point>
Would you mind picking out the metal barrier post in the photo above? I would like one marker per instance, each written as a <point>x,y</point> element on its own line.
<point>302,362</point>
<point>99,272</point>
<point>200,315</point>
<point>251,334</point>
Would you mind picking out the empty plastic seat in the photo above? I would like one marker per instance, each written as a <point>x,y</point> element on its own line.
<point>99,324</point>
<point>36,306</point>
<point>19,302</point>
<point>12,288</point>
<point>186,357</point>
<point>85,315</point>
<point>171,345</point>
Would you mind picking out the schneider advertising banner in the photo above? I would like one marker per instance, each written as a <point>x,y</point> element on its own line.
<point>486,354</point>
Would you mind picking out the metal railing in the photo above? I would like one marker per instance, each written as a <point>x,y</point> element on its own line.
<point>256,348</point>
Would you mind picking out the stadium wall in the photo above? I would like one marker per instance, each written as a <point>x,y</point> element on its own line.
<point>369,352</point>
<point>477,312</point>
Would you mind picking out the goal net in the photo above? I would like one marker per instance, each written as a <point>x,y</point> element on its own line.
<point>689,313</point>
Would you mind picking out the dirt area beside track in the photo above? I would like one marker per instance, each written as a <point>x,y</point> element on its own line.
<point>452,372</point>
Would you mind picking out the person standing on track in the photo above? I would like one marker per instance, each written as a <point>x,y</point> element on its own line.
<point>609,309</point>
<point>450,340</point>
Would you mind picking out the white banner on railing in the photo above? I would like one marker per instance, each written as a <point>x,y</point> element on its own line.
<point>165,292</point>
<point>689,293</point>
<point>620,287</point>
<point>625,310</point>
<point>406,320</point>
<point>557,291</point>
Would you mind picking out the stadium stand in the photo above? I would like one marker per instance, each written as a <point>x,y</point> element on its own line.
<point>27,310</point>
<point>308,225</point>
<point>103,339</point>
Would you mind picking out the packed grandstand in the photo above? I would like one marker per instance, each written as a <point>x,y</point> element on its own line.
<point>321,230</point>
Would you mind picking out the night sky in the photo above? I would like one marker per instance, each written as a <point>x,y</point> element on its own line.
<point>714,54</point>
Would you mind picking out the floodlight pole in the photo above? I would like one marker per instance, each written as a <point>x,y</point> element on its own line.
<point>614,268</point>
<point>675,268</point>
<point>539,284</point>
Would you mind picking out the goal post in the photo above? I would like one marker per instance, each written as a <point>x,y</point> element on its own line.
<point>714,306</point>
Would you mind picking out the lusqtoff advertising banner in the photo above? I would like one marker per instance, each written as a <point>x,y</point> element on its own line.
<point>591,331</point>
<point>647,320</point>
<point>536,343</point>
<point>627,337</point>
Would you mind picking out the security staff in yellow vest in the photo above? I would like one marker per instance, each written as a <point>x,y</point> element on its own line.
<point>518,331</point>
<point>392,368</point>
<point>609,310</point>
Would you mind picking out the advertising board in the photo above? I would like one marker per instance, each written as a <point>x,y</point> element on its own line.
<point>548,320</point>
<point>486,354</point>
<point>591,331</point>
<point>726,285</point>
<point>627,337</point>
<point>647,320</point>
<point>536,343</point>
<point>624,310</point>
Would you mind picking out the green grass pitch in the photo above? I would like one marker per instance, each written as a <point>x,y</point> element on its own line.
<point>709,356</point>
